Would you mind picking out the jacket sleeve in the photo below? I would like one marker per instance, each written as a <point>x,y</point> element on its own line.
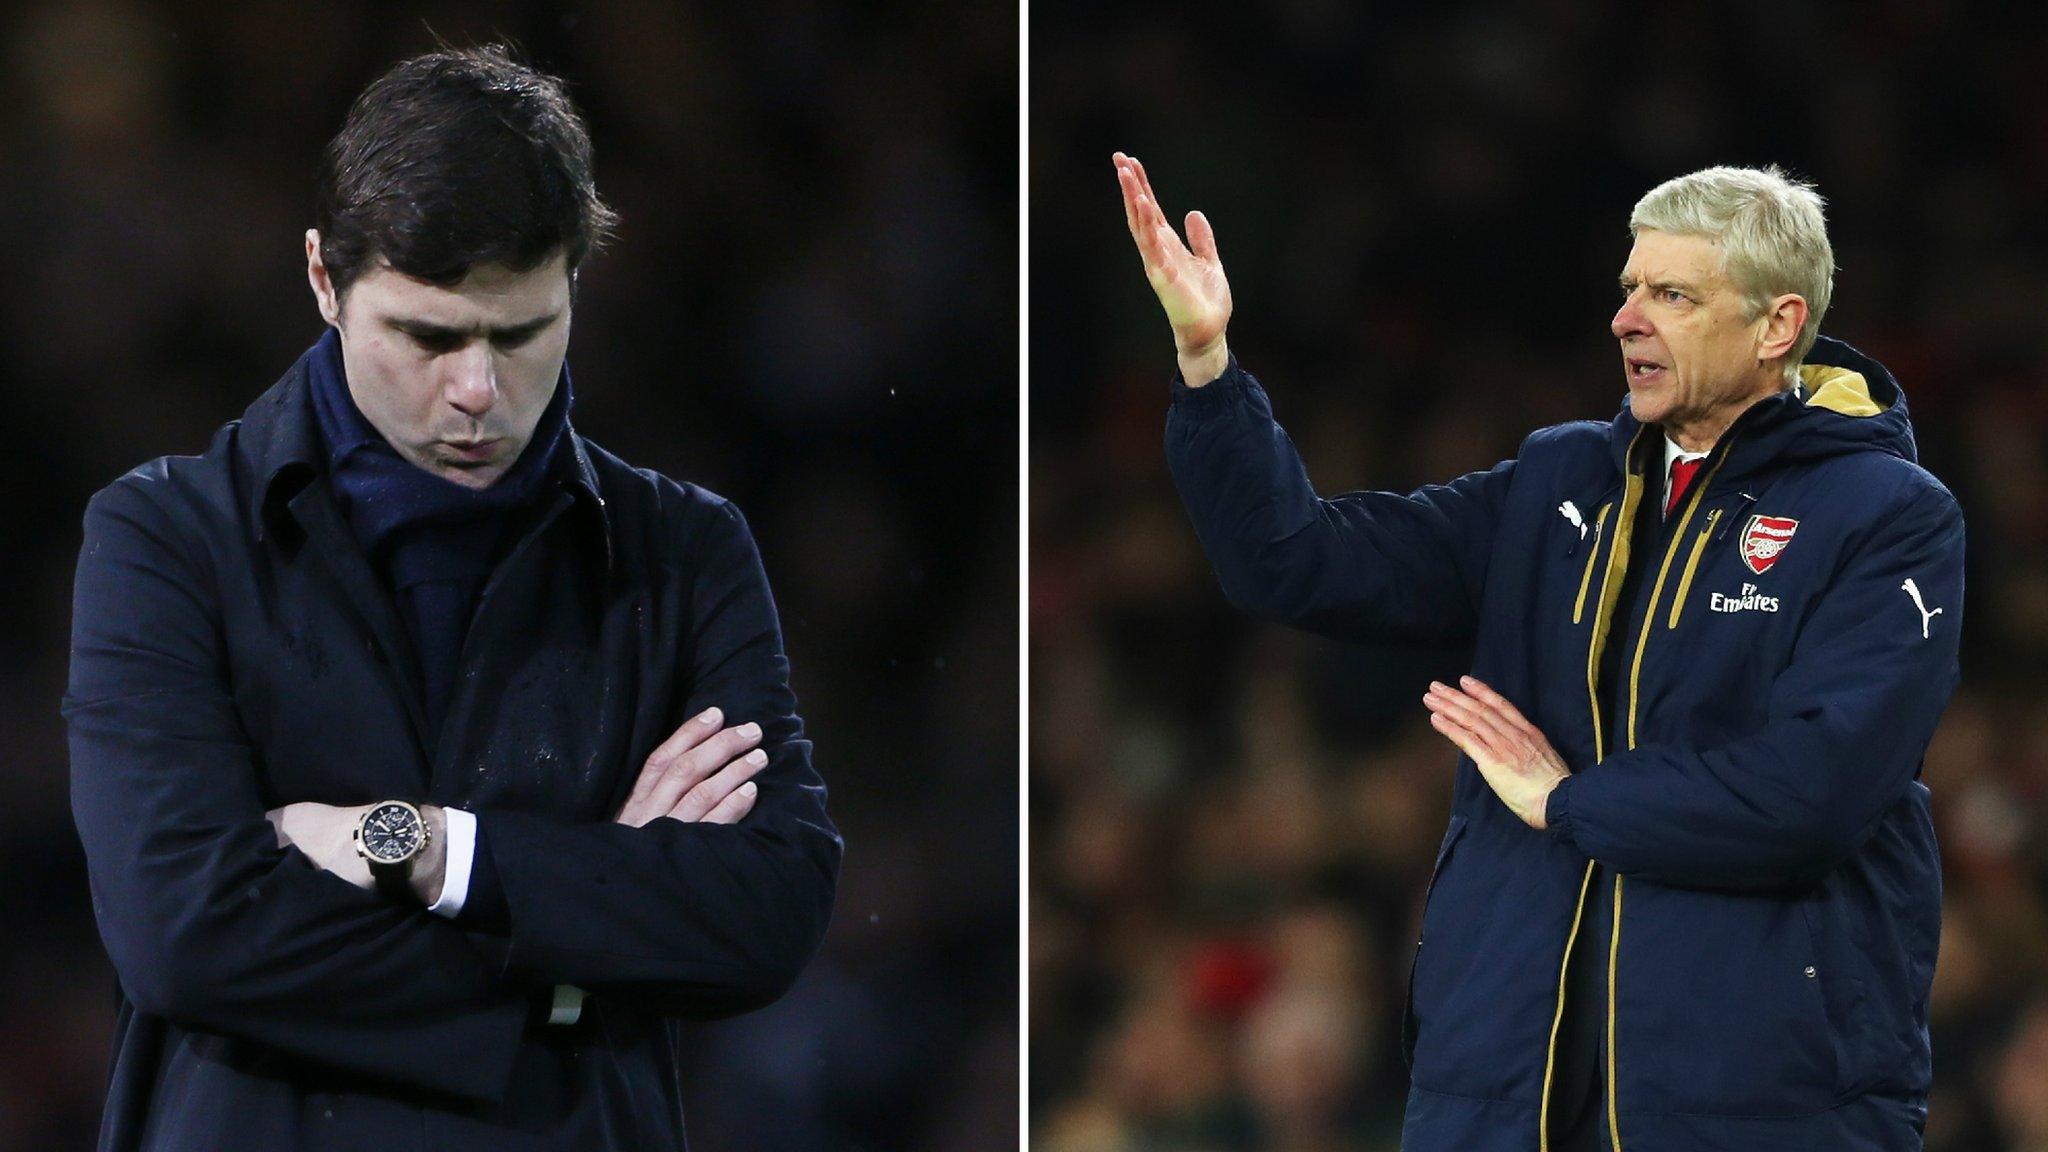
<point>207,921</point>
<point>1361,566</point>
<point>1849,720</point>
<point>696,920</point>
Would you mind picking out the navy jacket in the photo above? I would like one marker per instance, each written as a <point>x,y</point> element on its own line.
<point>1776,655</point>
<point>232,651</point>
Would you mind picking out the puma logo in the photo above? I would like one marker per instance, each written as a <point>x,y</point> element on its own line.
<point>1926,617</point>
<point>1570,512</point>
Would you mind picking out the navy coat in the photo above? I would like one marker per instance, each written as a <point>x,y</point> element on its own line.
<point>232,651</point>
<point>1744,692</point>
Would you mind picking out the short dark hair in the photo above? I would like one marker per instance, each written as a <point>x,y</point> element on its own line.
<point>456,158</point>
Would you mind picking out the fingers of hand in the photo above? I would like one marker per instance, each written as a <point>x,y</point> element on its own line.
<point>1150,245</point>
<point>1202,237</point>
<point>1501,705</point>
<point>697,749</point>
<point>662,760</point>
<point>729,781</point>
<point>1148,224</point>
<point>693,732</point>
<point>1141,214</point>
<point>1467,742</point>
<point>1155,241</point>
<point>1147,200</point>
<point>1127,183</point>
<point>1498,771</point>
<point>1476,717</point>
<point>700,763</point>
<point>735,806</point>
<point>1144,179</point>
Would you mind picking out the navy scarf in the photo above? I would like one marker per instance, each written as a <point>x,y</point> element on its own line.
<point>435,542</point>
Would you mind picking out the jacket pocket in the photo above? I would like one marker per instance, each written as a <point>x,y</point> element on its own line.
<point>1719,1006</point>
<point>1443,855</point>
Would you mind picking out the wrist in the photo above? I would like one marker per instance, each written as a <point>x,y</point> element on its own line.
<point>1201,365</point>
<point>1539,809</point>
<point>430,867</point>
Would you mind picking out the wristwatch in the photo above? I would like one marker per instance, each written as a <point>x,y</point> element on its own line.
<point>391,835</point>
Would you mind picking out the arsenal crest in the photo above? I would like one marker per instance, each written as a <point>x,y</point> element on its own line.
<point>1763,539</point>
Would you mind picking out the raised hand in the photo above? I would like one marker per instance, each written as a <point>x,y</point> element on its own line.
<point>702,773</point>
<point>1188,278</point>
<point>1514,755</point>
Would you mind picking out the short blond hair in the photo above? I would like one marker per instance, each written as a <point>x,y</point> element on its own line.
<point>1772,232</point>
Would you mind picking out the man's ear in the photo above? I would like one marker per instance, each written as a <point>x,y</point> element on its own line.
<point>323,286</point>
<point>1783,317</point>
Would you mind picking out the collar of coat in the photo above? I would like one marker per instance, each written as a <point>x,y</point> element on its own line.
<point>280,438</point>
<point>1845,402</point>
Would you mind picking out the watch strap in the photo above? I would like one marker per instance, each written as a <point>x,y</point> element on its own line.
<point>394,881</point>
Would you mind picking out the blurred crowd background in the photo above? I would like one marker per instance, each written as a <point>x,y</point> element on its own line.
<point>811,309</point>
<point>1422,210</point>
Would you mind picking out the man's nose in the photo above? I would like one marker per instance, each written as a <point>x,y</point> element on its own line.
<point>473,385</point>
<point>1629,319</point>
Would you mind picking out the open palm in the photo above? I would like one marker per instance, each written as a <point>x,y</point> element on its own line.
<point>1187,277</point>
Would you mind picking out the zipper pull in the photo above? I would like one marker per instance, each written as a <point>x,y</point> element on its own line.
<point>1741,508</point>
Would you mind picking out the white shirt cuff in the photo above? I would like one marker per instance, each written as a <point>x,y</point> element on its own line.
<point>461,855</point>
<point>568,1005</point>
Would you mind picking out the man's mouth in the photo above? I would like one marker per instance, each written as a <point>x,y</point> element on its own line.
<point>1641,371</point>
<point>474,451</point>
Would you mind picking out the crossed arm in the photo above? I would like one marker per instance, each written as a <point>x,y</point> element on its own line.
<point>701,773</point>
<point>211,924</point>
<point>1848,720</point>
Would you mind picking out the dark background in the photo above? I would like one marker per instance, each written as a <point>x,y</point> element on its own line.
<point>1422,210</point>
<point>811,309</point>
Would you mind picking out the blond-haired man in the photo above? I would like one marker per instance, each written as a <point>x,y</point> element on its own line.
<point>1689,896</point>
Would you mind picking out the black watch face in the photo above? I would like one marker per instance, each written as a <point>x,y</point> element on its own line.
<point>391,833</point>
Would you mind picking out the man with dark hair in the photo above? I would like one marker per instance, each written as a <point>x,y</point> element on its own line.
<point>501,176</point>
<point>429,759</point>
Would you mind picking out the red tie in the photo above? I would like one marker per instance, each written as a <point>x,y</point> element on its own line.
<point>1682,472</point>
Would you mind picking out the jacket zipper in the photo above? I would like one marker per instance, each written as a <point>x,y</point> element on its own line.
<point>1613,958</point>
<point>1603,617</point>
<point>1634,696</point>
<point>1557,1020</point>
<point>1657,591</point>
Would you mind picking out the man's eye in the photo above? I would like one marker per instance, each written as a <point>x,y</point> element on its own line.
<point>1672,296</point>
<point>437,344</point>
<point>516,340</point>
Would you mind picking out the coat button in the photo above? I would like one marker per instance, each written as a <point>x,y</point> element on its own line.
<point>1810,972</point>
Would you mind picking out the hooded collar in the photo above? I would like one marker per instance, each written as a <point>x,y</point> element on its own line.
<point>1845,402</point>
<point>280,438</point>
